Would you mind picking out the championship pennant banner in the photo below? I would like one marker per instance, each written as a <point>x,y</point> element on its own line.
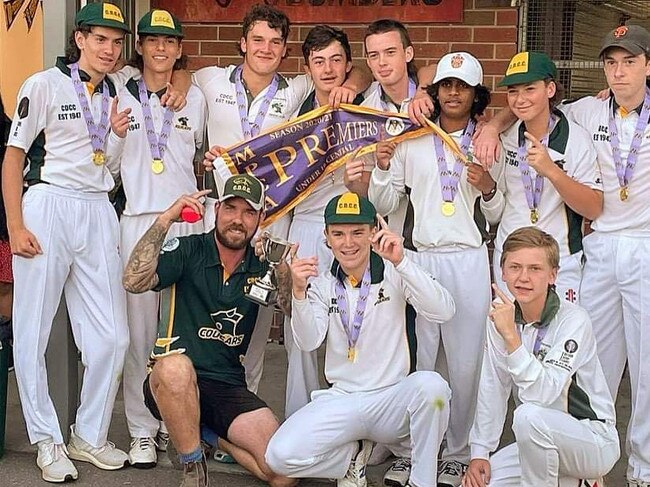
<point>291,158</point>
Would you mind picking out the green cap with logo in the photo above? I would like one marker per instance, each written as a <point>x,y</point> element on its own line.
<point>244,186</point>
<point>102,14</point>
<point>160,22</point>
<point>529,66</point>
<point>633,38</point>
<point>350,208</point>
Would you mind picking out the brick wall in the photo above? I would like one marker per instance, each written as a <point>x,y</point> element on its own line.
<point>488,31</point>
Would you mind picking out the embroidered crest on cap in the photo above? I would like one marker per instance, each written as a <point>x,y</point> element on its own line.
<point>348,204</point>
<point>518,64</point>
<point>620,31</point>
<point>162,18</point>
<point>457,61</point>
<point>112,12</point>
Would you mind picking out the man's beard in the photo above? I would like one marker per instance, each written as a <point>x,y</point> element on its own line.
<point>230,243</point>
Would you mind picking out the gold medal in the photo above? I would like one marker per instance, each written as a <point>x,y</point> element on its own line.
<point>623,193</point>
<point>448,208</point>
<point>157,166</point>
<point>99,158</point>
<point>352,354</point>
<point>534,216</point>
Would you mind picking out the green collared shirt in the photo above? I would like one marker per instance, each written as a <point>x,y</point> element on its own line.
<point>204,315</point>
<point>551,307</point>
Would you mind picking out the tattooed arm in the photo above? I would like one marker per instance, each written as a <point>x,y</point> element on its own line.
<point>140,272</point>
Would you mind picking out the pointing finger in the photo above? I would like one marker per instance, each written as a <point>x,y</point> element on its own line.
<point>532,139</point>
<point>382,222</point>
<point>501,294</point>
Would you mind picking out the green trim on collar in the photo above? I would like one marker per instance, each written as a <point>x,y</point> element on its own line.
<point>132,86</point>
<point>250,262</point>
<point>559,135</point>
<point>376,269</point>
<point>65,69</point>
<point>615,106</point>
<point>551,307</point>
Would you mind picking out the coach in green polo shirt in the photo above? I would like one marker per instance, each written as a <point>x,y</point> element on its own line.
<point>197,375</point>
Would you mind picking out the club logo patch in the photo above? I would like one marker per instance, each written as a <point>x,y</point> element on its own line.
<point>570,346</point>
<point>394,126</point>
<point>225,328</point>
<point>23,107</point>
<point>457,61</point>
<point>170,245</point>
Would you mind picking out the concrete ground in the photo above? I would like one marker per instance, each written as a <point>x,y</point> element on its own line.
<point>18,466</point>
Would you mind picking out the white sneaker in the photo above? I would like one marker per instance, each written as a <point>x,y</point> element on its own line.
<point>356,474</point>
<point>142,453</point>
<point>162,440</point>
<point>106,457</point>
<point>399,472</point>
<point>450,473</point>
<point>54,463</point>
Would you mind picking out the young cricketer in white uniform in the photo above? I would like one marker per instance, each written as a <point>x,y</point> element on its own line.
<point>547,175</point>
<point>328,60</point>
<point>389,54</point>
<point>444,233</point>
<point>615,287</point>
<point>157,153</point>
<point>65,237</point>
<point>544,347</point>
<point>372,398</point>
<point>244,101</point>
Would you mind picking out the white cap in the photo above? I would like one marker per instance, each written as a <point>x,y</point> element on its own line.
<point>461,65</point>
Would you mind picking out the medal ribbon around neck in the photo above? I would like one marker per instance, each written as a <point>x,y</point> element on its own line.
<point>449,179</point>
<point>411,94</point>
<point>533,194</point>
<point>357,320</point>
<point>157,143</point>
<point>625,170</point>
<point>253,130</point>
<point>97,132</point>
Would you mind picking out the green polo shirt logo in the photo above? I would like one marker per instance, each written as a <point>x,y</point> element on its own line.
<point>225,324</point>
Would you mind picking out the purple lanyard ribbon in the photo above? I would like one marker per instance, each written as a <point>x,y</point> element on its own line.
<point>533,194</point>
<point>253,130</point>
<point>357,320</point>
<point>625,170</point>
<point>98,132</point>
<point>411,94</point>
<point>541,333</point>
<point>449,179</point>
<point>157,144</point>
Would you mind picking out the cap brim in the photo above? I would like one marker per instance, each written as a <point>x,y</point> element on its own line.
<point>521,78</point>
<point>448,74</point>
<point>160,31</point>
<point>255,206</point>
<point>113,24</point>
<point>632,48</point>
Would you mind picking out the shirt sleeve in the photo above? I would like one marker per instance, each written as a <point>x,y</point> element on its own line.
<point>542,383</point>
<point>582,165</point>
<point>124,74</point>
<point>429,298</point>
<point>171,262</point>
<point>492,401</point>
<point>300,88</point>
<point>386,187</point>
<point>31,113</point>
<point>310,318</point>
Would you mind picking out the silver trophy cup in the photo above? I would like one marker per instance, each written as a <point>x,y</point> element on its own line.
<point>263,291</point>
